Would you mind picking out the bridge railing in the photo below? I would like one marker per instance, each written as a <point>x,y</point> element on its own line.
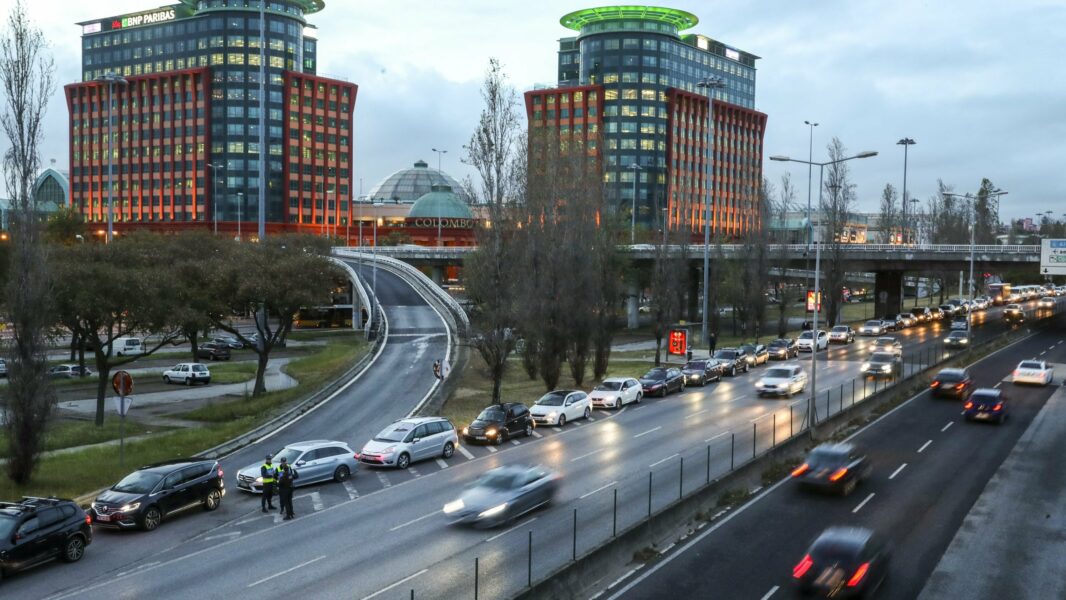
<point>458,252</point>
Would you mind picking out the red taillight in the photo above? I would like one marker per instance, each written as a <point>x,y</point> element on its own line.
<point>935,384</point>
<point>356,456</point>
<point>856,579</point>
<point>88,520</point>
<point>959,386</point>
<point>968,405</point>
<point>842,471</point>
<point>804,565</point>
<point>220,473</point>
<point>998,406</point>
<point>800,470</point>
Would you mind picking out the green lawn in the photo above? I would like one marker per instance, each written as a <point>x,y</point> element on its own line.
<point>68,434</point>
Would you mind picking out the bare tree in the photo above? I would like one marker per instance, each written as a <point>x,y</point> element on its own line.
<point>27,81</point>
<point>779,280</point>
<point>491,149</point>
<point>890,219</point>
<point>835,216</point>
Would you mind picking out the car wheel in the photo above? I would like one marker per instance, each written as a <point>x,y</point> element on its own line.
<point>188,381</point>
<point>151,519</point>
<point>166,379</point>
<point>640,396</point>
<point>528,431</point>
<point>733,371</point>
<point>449,450</point>
<point>562,418</point>
<point>74,549</point>
<point>403,461</point>
<point>849,486</point>
<point>342,473</point>
<point>502,437</point>
<point>588,412</point>
<point>212,500</point>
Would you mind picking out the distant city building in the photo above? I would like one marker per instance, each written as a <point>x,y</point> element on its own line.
<point>628,93</point>
<point>408,185</point>
<point>50,191</point>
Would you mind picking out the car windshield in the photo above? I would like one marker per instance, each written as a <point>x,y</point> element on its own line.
<point>834,552</point>
<point>881,357</point>
<point>7,526</point>
<point>291,454</point>
<point>806,335</point>
<point>609,386</point>
<point>957,334</point>
<point>696,365</point>
<point>984,398</point>
<point>885,342</point>
<point>840,328</point>
<point>491,414</point>
<point>655,374</point>
<point>949,376</point>
<point>394,433</point>
<point>1030,364</point>
<point>779,373</point>
<point>873,323</point>
<point>138,482</point>
<point>826,458</point>
<point>778,343</point>
<point>496,481</point>
<point>552,399</point>
<point>726,354</point>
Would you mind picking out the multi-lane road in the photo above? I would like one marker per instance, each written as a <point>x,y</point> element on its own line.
<point>382,534</point>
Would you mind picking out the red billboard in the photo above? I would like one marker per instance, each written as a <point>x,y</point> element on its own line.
<point>811,302</point>
<point>677,342</point>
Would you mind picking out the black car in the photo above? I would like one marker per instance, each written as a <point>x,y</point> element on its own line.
<point>500,422</point>
<point>662,381</point>
<point>229,341</point>
<point>952,383</point>
<point>957,339</point>
<point>702,371</point>
<point>882,364</point>
<point>213,351</point>
<point>892,322</point>
<point>38,530</point>
<point>843,562</point>
<point>735,360</point>
<point>154,492</point>
<point>782,349</point>
<point>834,467</point>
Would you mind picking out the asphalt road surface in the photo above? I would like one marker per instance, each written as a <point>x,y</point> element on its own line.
<point>381,534</point>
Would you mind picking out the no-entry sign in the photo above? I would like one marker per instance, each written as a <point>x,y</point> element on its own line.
<point>122,382</point>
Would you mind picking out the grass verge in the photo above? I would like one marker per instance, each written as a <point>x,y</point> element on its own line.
<point>68,434</point>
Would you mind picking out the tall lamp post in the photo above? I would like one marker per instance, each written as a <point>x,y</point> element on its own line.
<point>214,194</point>
<point>633,205</point>
<point>906,143</point>
<point>709,84</point>
<point>439,153</point>
<point>240,204</point>
<point>810,171</point>
<point>110,79</point>
<point>973,229</point>
<point>374,281</point>
<point>811,418</point>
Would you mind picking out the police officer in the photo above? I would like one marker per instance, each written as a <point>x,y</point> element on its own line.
<point>286,481</point>
<point>269,473</point>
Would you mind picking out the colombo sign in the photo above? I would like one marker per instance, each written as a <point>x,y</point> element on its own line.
<point>1053,257</point>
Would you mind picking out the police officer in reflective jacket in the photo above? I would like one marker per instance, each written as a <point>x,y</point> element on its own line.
<point>287,477</point>
<point>269,473</point>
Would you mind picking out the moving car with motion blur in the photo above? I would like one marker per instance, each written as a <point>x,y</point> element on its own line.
<point>35,531</point>
<point>882,364</point>
<point>833,467</point>
<point>144,498</point>
<point>951,383</point>
<point>408,440</point>
<point>806,341</point>
<point>500,422</point>
<point>699,372</point>
<point>924,314</point>
<point>1046,302</point>
<point>733,360</point>
<point>662,381</point>
<point>783,380</point>
<point>960,323</point>
<point>503,494</point>
<point>315,461</point>
<point>887,344</point>
<point>1033,372</point>
<point>949,310</point>
<point>559,406</point>
<point>957,339</point>
<point>872,327</point>
<point>843,562</point>
<point>842,334</point>
<point>782,349</point>
<point>616,392</point>
<point>986,404</point>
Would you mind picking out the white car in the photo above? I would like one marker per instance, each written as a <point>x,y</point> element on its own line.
<point>1046,302</point>
<point>187,373</point>
<point>560,406</point>
<point>872,327</point>
<point>1036,372</point>
<point>783,380</point>
<point>616,392</point>
<point>806,340</point>
<point>887,344</point>
<point>960,323</point>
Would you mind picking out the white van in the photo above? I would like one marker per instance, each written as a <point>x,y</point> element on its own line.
<point>128,346</point>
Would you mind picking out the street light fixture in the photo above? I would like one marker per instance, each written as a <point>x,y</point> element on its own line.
<point>811,420</point>
<point>906,143</point>
<point>214,194</point>
<point>633,208</point>
<point>709,84</point>
<point>973,228</point>
<point>110,78</point>
<point>240,203</point>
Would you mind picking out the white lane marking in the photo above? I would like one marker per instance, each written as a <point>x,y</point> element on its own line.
<point>896,472</point>
<point>442,463</point>
<point>1051,347</point>
<point>537,435</point>
<point>384,480</point>
<point>945,428</point>
<point>576,422</point>
<point>286,571</point>
<point>577,458</point>
<point>862,504</point>
<point>400,582</point>
<point>515,442</point>
<point>655,464</point>
<point>492,449</point>
<point>278,517</point>
<point>462,450</point>
<point>599,489</point>
<point>591,418</point>
<point>772,591</point>
<point>711,439</point>
<point>348,487</point>
<point>413,521</point>
<point>414,471</point>
<point>998,383</point>
<point>557,430</point>
<point>255,518</point>
<point>1043,353</point>
<point>924,446</point>
<point>604,413</point>
<point>221,535</point>
<point>699,412</point>
<point>316,502</point>
<point>503,533</point>
<point>648,431</point>
<point>964,412</point>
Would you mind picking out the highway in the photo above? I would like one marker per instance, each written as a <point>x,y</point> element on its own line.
<point>381,534</point>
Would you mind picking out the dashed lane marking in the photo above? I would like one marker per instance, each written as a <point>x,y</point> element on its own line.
<point>414,471</point>
<point>945,428</point>
<point>699,412</point>
<point>998,383</point>
<point>503,533</point>
<point>577,458</point>
<point>462,450</point>
<point>537,435</point>
<point>557,430</point>
<point>578,423</point>
<point>413,521</point>
<point>648,431</point>
<point>348,487</point>
<point>286,571</point>
<point>924,446</point>
<point>862,504</point>
<point>772,591</point>
<point>711,439</point>
<point>221,535</point>
<point>400,582</point>
<point>515,442</point>
<point>384,480</point>
<point>1043,353</point>
<point>599,489</point>
<point>441,463</point>
<point>897,471</point>
<point>657,463</point>
<point>492,449</point>
<point>316,501</point>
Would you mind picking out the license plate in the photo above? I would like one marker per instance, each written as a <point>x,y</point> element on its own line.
<point>103,518</point>
<point>982,415</point>
<point>480,437</point>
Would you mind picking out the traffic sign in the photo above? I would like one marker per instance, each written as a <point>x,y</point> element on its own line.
<point>122,405</point>
<point>122,382</point>
<point>1053,257</point>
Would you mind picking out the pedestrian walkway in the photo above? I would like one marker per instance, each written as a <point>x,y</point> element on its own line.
<point>1011,544</point>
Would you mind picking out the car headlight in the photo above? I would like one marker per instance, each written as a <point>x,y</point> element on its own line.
<point>259,479</point>
<point>454,506</point>
<point>130,507</point>
<point>886,367</point>
<point>466,430</point>
<point>388,450</point>
<point>759,385</point>
<point>552,415</point>
<point>491,433</point>
<point>865,366</point>
<point>492,512</point>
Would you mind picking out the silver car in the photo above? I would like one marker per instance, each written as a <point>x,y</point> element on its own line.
<point>315,461</point>
<point>410,440</point>
<point>503,494</point>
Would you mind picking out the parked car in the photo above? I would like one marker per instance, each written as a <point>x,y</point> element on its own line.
<point>882,364</point>
<point>315,461</point>
<point>616,392</point>
<point>69,372</point>
<point>253,340</point>
<point>559,406</point>
<point>213,351</point>
<point>783,349</point>
<point>229,341</point>
<point>843,562</point>
<point>957,339</point>
<point>872,327</point>
<point>128,346</point>
<point>783,380</point>
<point>733,360</point>
<point>500,422</point>
<point>806,341</point>
<point>155,492</point>
<point>503,494</point>
<point>924,314</point>
<point>937,312</point>
<point>35,531</point>
<point>662,381</point>
<point>951,383</point>
<point>908,319</point>
<point>1035,372</point>
<point>187,373</point>
<point>887,344</point>
<point>986,404</point>
<point>699,372</point>
<point>755,354</point>
<point>843,334</point>
<point>892,323</point>
<point>409,440</point>
<point>949,309</point>
<point>834,467</point>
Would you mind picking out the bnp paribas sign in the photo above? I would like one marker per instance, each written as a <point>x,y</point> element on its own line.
<point>147,18</point>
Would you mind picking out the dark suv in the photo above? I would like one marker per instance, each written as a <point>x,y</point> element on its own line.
<point>152,493</point>
<point>37,530</point>
<point>500,422</point>
<point>213,351</point>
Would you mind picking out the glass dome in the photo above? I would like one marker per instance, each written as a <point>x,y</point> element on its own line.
<point>408,185</point>
<point>440,203</point>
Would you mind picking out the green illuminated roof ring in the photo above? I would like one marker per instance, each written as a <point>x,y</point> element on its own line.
<point>309,6</point>
<point>678,18</point>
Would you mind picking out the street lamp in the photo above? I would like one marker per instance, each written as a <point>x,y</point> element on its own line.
<point>110,78</point>
<point>240,203</point>
<point>817,277</point>
<point>709,84</point>
<point>906,143</point>
<point>810,170</point>
<point>439,153</point>
<point>214,194</point>
<point>973,228</point>
<point>633,208</point>
<point>374,282</point>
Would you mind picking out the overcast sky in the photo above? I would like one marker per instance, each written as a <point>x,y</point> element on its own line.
<point>977,83</point>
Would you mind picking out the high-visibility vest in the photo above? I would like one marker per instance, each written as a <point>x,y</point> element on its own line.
<point>271,473</point>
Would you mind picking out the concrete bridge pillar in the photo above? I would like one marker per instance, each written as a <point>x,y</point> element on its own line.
<point>888,293</point>
<point>632,303</point>
<point>437,274</point>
